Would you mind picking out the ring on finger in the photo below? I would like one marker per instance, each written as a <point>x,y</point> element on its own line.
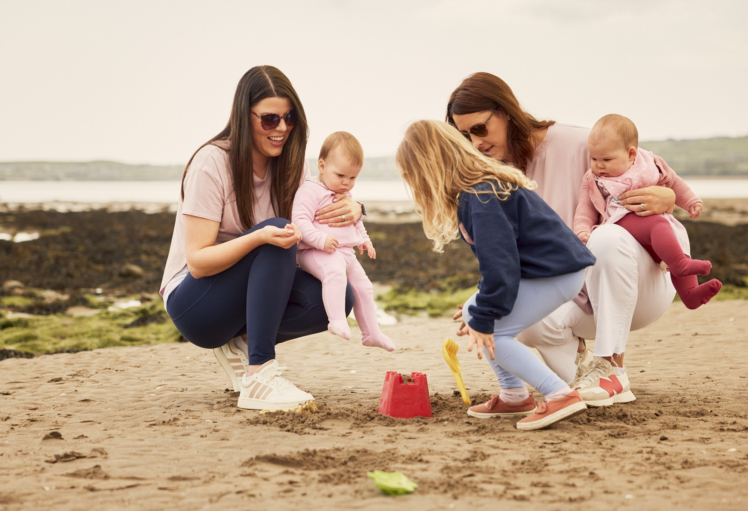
<point>641,206</point>
<point>343,218</point>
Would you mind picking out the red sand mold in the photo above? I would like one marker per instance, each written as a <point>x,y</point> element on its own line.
<point>405,398</point>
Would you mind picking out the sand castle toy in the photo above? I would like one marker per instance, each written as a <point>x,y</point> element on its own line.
<point>449,350</point>
<point>405,397</point>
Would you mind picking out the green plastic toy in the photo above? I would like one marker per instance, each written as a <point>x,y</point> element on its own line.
<point>392,483</point>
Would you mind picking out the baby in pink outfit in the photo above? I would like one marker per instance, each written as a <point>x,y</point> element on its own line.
<point>328,252</point>
<point>617,166</point>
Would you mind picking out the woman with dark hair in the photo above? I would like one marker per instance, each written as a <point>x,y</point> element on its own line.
<point>625,290</point>
<point>231,283</point>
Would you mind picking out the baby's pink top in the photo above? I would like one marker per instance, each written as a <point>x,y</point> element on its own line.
<point>209,194</point>
<point>312,196</point>
<point>558,165</point>
<point>593,209</point>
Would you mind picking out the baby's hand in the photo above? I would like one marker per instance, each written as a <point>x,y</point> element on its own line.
<point>331,244</point>
<point>584,236</point>
<point>369,248</point>
<point>695,210</point>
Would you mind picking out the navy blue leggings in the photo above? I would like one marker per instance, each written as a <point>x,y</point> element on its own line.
<point>264,295</point>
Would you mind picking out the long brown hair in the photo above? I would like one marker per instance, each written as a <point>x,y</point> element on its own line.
<point>483,92</point>
<point>439,164</point>
<point>286,170</point>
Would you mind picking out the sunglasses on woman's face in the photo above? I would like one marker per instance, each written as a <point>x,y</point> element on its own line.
<point>479,130</point>
<point>271,121</point>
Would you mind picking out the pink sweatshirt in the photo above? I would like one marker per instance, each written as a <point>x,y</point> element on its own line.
<point>592,209</point>
<point>312,196</point>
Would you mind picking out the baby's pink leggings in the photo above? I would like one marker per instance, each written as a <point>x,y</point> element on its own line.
<point>334,270</point>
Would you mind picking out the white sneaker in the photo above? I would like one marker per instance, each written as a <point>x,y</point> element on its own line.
<point>233,360</point>
<point>602,385</point>
<point>268,390</point>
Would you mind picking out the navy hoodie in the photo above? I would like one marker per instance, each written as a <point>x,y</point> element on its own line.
<point>513,239</point>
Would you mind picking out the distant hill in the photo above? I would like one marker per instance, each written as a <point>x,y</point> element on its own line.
<point>87,171</point>
<point>707,157</point>
<point>711,157</point>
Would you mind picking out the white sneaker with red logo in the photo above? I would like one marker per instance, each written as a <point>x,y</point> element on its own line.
<point>602,385</point>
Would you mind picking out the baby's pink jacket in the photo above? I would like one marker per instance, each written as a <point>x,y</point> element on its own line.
<point>310,198</point>
<point>591,211</point>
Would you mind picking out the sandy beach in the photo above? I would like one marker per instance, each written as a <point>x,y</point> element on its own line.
<point>155,427</point>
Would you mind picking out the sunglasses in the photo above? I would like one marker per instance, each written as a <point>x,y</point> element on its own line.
<point>271,121</point>
<point>479,130</point>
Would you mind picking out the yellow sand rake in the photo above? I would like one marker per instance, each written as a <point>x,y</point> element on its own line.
<point>449,350</point>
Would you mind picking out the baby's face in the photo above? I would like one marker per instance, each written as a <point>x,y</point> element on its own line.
<point>608,155</point>
<point>337,172</point>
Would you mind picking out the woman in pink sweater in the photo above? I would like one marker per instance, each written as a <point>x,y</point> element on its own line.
<point>626,289</point>
<point>617,166</point>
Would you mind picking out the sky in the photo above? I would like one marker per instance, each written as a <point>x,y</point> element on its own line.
<point>150,81</point>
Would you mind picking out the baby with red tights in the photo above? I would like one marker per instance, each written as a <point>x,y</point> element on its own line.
<point>328,252</point>
<point>619,165</point>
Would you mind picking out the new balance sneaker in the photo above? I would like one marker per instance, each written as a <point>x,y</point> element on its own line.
<point>233,360</point>
<point>551,412</point>
<point>268,390</point>
<point>495,407</point>
<point>602,385</point>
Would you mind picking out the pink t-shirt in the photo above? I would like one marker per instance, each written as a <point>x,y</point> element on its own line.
<point>209,193</point>
<point>558,166</point>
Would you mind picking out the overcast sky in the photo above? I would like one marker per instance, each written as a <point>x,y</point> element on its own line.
<point>149,81</point>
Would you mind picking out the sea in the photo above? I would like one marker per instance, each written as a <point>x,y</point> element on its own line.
<point>167,192</point>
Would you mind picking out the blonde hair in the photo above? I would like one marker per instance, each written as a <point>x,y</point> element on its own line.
<point>438,164</point>
<point>621,126</point>
<point>351,147</point>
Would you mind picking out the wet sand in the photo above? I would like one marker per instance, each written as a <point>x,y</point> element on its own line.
<point>155,427</point>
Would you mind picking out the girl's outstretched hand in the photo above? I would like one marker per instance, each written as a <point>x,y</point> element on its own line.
<point>463,330</point>
<point>480,339</point>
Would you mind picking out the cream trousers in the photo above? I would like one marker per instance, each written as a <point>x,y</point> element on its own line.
<point>627,290</point>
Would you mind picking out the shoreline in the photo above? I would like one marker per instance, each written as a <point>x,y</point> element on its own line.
<point>728,211</point>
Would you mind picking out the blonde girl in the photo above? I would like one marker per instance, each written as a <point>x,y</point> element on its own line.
<point>530,262</point>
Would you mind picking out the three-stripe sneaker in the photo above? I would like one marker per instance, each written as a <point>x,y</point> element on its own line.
<point>602,385</point>
<point>233,360</point>
<point>268,390</point>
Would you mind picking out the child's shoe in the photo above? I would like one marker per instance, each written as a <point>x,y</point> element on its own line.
<point>495,407</point>
<point>340,328</point>
<point>379,341</point>
<point>551,412</point>
<point>603,385</point>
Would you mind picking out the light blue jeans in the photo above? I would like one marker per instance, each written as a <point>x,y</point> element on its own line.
<point>515,363</point>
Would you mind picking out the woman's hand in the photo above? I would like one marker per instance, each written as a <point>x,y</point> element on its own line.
<point>284,238</point>
<point>463,330</point>
<point>653,200</point>
<point>343,212</point>
<point>480,339</point>
<point>584,237</point>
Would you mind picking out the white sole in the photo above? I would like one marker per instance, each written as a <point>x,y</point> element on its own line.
<point>565,413</point>
<point>500,415</point>
<point>224,362</point>
<point>623,397</point>
<point>258,404</point>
